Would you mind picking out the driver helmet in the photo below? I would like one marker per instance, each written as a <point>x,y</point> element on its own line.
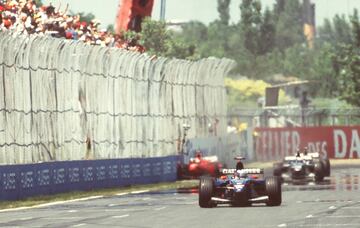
<point>198,154</point>
<point>305,150</point>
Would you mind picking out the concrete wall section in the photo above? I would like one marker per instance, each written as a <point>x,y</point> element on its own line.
<point>65,100</point>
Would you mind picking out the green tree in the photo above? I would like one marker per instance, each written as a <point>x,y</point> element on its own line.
<point>267,33</point>
<point>157,40</point>
<point>223,9</point>
<point>326,32</point>
<point>154,36</point>
<point>355,28</point>
<point>342,29</point>
<point>289,26</point>
<point>279,7</point>
<point>347,65</point>
<point>194,32</point>
<point>250,25</point>
<point>323,77</point>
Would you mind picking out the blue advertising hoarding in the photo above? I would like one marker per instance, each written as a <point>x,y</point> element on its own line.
<point>21,181</point>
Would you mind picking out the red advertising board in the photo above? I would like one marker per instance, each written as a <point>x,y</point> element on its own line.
<point>336,141</point>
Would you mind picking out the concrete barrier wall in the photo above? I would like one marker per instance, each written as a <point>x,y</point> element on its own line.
<point>21,181</point>
<point>65,100</point>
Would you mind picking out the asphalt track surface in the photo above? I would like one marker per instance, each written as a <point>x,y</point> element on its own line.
<point>333,203</point>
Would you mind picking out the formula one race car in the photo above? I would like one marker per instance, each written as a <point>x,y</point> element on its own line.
<point>239,188</point>
<point>198,166</point>
<point>322,158</point>
<point>302,167</point>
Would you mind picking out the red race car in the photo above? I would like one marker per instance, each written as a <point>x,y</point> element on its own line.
<point>199,166</point>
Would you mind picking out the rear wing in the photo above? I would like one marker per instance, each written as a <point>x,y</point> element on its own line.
<point>247,171</point>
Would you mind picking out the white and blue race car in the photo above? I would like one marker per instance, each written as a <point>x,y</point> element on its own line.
<point>239,188</point>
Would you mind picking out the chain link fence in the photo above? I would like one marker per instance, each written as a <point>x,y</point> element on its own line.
<point>65,100</point>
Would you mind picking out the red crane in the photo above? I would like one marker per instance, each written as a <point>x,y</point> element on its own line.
<point>131,13</point>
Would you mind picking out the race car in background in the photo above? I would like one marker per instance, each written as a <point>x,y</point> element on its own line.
<point>320,157</point>
<point>303,167</point>
<point>199,166</point>
<point>239,188</point>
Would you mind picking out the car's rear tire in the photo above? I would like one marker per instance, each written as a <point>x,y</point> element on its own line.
<point>206,190</point>
<point>273,189</point>
<point>319,171</point>
<point>326,166</point>
<point>278,169</point>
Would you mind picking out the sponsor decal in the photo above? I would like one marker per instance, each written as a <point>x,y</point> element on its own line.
<point>333,142</point>
<point>346,144</point>
<point>59,176</point>
<point>146,169</point>
<point>88,174</point>
<point>27,179</point>
<point>74,175</point>
<point>43,177</point>
<point>136,170</point>
<point>113,171</point>
<point>125,171</point>
<point>100,173</point>
<point>167,167</point>
<point>9,181</point>
<point>157,169</point>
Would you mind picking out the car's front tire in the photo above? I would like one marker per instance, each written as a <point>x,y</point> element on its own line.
<point>206,190</point>
<point>273,189</point>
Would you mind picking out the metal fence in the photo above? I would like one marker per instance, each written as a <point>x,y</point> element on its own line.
<point>293,116</point>
<point>65,100</point>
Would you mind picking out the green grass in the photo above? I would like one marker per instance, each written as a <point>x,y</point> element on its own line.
<point>33,201</point>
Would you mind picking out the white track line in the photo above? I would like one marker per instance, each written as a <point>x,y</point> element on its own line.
<point>330,225</point>
<point>138,192</point>
<point>121,216</point>
<point>28,218</point>
<point>78,225</point>
<point>51,204</point>
<point>68,201</point>
<point>122,194</point>
<point>159,209</point>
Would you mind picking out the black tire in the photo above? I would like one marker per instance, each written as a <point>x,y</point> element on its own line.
<point>278,169</point>
<point>273,189</point>
<point>319,171</point>
<point>326,166</point>
<point>206,190</point>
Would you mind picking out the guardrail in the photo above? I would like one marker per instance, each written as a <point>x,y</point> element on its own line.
<point>21,181</point>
